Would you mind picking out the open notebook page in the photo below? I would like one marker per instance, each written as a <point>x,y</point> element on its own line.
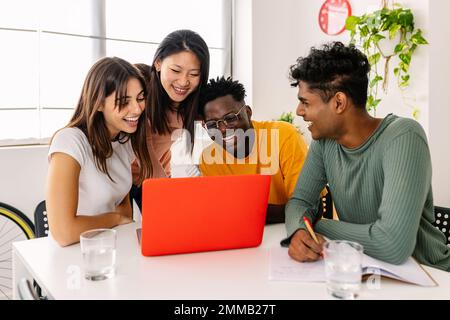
<point>283,268</point>
<point>410,271</point>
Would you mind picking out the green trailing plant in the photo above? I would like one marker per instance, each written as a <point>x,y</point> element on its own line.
<point>370,30</point>
<point>287,117</point>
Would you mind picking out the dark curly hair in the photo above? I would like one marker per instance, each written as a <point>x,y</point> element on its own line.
<point>332,68</point>
<point>220,87</point>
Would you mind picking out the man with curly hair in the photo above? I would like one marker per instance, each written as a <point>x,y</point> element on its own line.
<point>378,170</point>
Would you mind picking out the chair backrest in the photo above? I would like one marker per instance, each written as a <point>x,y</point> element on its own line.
<point>41,220</point>
<point>26,290</point>
<point>442,221</point>
<point>326,205</point>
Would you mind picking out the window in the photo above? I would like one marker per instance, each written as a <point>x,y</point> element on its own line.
<point>48,47</point>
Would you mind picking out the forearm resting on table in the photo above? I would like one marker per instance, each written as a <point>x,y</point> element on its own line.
<point>67,231</point>
<point>380,242</point>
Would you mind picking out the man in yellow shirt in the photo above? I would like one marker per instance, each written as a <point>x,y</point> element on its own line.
<point>245,146</point>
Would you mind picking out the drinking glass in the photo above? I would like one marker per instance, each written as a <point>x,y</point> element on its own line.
<point>98,247</point>
<point>343,268</point>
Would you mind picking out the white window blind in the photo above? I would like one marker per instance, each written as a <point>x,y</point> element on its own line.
<point>48,46</point>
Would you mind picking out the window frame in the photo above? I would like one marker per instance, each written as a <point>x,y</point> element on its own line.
<point>100,50</point>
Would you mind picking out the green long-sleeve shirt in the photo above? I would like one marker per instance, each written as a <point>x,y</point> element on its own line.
<point>382,193</point>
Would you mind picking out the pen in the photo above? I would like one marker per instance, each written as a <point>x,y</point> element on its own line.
<point>310,229</point>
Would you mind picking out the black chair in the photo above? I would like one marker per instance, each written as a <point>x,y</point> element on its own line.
<point>326,205</point>
<point>442,221</point>
<point>40,230</point>
<point>41,220</point>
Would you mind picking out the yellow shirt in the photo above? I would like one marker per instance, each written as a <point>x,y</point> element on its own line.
<point>279,150</point>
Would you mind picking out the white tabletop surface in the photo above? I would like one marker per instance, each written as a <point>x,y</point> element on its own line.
<point>230,274</point>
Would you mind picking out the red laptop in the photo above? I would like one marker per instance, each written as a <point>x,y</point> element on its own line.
<point>182,215</point>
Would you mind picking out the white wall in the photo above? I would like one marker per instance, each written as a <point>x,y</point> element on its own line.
<point>284,30</point>
<point>281,31</point>
<point>242,68</point>
<point>275,47</point>
<point>439,111</point>
<point>23,171</point>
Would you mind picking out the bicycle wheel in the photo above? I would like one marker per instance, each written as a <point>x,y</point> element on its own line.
<point>14,226</point>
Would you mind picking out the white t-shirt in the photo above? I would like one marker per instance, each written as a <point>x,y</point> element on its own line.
<point>97,193</point>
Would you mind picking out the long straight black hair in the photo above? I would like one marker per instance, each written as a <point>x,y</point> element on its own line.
<point>158,101</point>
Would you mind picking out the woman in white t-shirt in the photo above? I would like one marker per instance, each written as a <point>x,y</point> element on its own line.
<point>89,174</point>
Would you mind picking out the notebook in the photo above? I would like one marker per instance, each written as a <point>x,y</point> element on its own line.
<point>283,268</point>
<point>183,215</point>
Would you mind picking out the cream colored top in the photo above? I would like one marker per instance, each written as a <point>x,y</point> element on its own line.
<point>159,148</point>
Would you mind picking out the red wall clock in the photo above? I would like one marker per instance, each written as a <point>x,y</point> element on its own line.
<point>332,16</point>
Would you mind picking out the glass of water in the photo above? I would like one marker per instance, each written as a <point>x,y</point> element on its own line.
<point>98,247</point>
<point>343,268</point>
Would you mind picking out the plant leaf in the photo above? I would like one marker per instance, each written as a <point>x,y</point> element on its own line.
<point>368,30</point>
<point>369,103</point>
<point>374,81</point>
<point>373,59</point>
<point>406,58</point>
<point>376,37</point>
<point>417,38</point>
<point>372,103</point>
<point>393,30</point>
<point>376,102</point>
<point>404,67</point>
<point>399,47</point>
<point>406,19</point>
<point>403,84</point>
<point>364,31</point>
<point>366,45</point>
<point>416,113</point>
<point>351,22</point>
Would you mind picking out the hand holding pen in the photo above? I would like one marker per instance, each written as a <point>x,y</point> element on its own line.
<point>310,229</point>
<point>306,245</point>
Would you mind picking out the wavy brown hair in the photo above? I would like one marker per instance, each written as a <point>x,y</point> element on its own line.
<point>106,76</point>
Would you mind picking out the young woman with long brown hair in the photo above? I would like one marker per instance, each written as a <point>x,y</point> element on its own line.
<point>89,174</point>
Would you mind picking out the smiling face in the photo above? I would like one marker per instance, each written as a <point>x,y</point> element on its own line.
<point>319,115</point>
<point>226,108</point>
<point>180,75</point>
<point>124,118</point>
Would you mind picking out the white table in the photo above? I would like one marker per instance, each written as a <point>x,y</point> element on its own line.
<point>230,274</point>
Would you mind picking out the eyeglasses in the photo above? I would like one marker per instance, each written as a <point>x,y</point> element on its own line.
<point>230,120</point>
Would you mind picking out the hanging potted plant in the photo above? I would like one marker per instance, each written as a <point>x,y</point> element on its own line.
<point>384,34</point>
<point>289,117</point>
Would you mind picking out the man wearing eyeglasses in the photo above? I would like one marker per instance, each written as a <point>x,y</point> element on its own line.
<point>245,146</point>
